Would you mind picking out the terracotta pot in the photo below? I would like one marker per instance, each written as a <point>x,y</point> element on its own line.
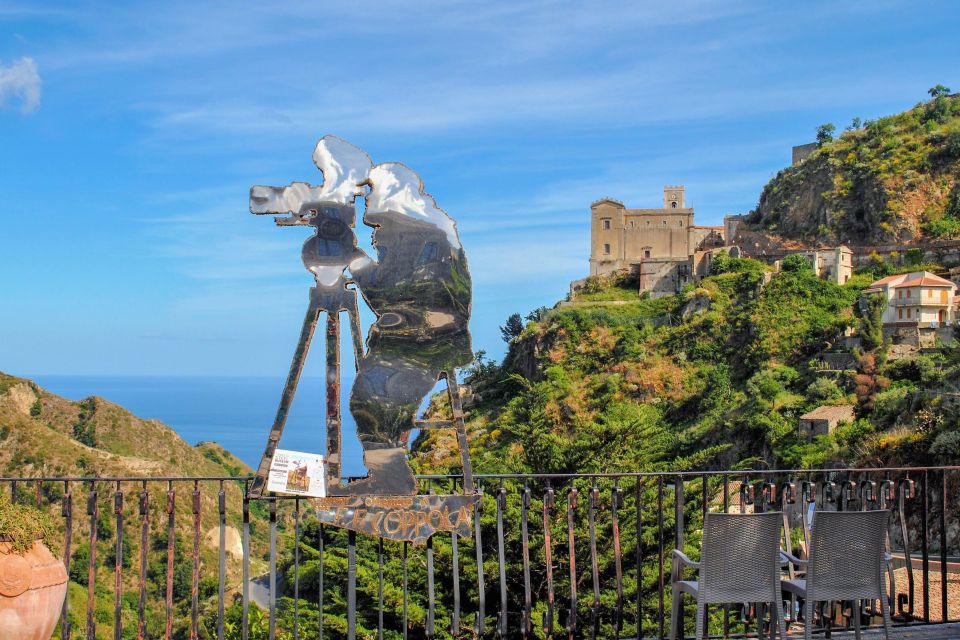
<point>32,587</point>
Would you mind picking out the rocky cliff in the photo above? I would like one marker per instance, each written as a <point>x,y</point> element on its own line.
<point>893,180</point>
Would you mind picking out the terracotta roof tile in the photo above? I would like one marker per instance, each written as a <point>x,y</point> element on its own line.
<point>926,281</point>
<point>922,279</point>
<point>886,280</point>
<point>830,412</point>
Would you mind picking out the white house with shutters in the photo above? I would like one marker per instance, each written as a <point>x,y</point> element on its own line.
<point>917,299</point>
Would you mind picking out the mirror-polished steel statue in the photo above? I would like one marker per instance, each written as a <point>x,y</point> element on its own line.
<point>420,290</point>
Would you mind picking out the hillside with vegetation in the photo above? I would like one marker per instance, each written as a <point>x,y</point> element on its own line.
<point>716,377</point>
<point>892,180</point>
<point>45,435</point>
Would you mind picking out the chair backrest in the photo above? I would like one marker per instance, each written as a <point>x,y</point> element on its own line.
<point>846,555</point>
<point>739,561</point>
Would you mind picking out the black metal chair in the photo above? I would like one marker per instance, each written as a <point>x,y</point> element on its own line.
<point>739,562</point>
<point>846,562</point>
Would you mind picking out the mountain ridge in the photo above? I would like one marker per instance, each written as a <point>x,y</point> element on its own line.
<point>893,180</point>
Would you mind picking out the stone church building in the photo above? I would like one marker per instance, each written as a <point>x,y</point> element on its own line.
<point>663,246</point>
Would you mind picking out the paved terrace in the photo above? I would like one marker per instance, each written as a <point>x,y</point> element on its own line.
<point>926,632</point>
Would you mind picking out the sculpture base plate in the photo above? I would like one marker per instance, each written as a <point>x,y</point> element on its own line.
<point>401,518</point>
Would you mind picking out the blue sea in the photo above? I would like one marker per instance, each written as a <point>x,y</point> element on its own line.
<point>236,412</point>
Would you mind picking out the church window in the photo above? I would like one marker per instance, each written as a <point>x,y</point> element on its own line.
<point>606,223</point>
<point>646,253</point>
<point>606,249</point>
<point>673,205</point>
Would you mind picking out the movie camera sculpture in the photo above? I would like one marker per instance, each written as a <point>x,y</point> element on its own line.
<point>419,288</point>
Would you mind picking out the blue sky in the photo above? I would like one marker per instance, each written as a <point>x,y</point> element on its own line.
<point>131,132</point>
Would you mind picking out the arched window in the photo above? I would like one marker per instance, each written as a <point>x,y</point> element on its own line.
<point>673,205</point>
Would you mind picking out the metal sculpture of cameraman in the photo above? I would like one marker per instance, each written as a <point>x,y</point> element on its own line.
<point>420,290</point>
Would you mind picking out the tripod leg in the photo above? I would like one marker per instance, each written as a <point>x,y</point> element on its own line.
<point>333,400</point>
<point>289,390</point>
<point>355,332</point>
<point>453,392</point>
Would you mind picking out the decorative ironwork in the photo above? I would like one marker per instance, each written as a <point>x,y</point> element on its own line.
<point>419,288</point>
<point>651,512</point>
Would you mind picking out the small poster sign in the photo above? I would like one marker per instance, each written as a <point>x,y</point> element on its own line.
<point>297,473</point>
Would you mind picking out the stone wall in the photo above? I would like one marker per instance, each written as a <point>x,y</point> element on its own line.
<point>801,152</point>
<point>664,277</point>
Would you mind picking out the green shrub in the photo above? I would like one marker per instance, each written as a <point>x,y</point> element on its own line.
<point>80,564</point>
<point>796,263</point>
<point>952,210</point>
<point>21,525</point>
<point>823,390</point>
<point>853,433</point>
<point>943,228</point>
<point>83,429</point>
<point>947,446</point>
<point>919,370</point>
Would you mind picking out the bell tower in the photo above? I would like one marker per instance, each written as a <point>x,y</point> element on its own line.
<point>673,197</point>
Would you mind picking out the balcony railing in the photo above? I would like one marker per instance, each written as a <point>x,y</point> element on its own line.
<point>581,556</point>
<point>921,302</point>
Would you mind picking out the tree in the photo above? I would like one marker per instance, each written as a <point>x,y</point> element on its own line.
<point>855,124</point>
<point>512,329</point>
<point>952,145</point>
<point>938,91</point>
<point>823,390</point>
<point>537,314</point>
<point>720,263</point>
<point>796,262</point>
<point>825,133</point>
<point>871,321</point>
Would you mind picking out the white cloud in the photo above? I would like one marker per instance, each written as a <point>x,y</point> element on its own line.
<point>20,82</point>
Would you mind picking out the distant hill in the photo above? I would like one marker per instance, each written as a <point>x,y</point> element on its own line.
<point>42,434</point>
<point>893,180</point>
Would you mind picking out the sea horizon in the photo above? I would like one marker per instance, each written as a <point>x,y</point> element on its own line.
<point>235,411</point>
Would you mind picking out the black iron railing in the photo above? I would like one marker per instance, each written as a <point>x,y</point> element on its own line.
<point>551,555</point>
